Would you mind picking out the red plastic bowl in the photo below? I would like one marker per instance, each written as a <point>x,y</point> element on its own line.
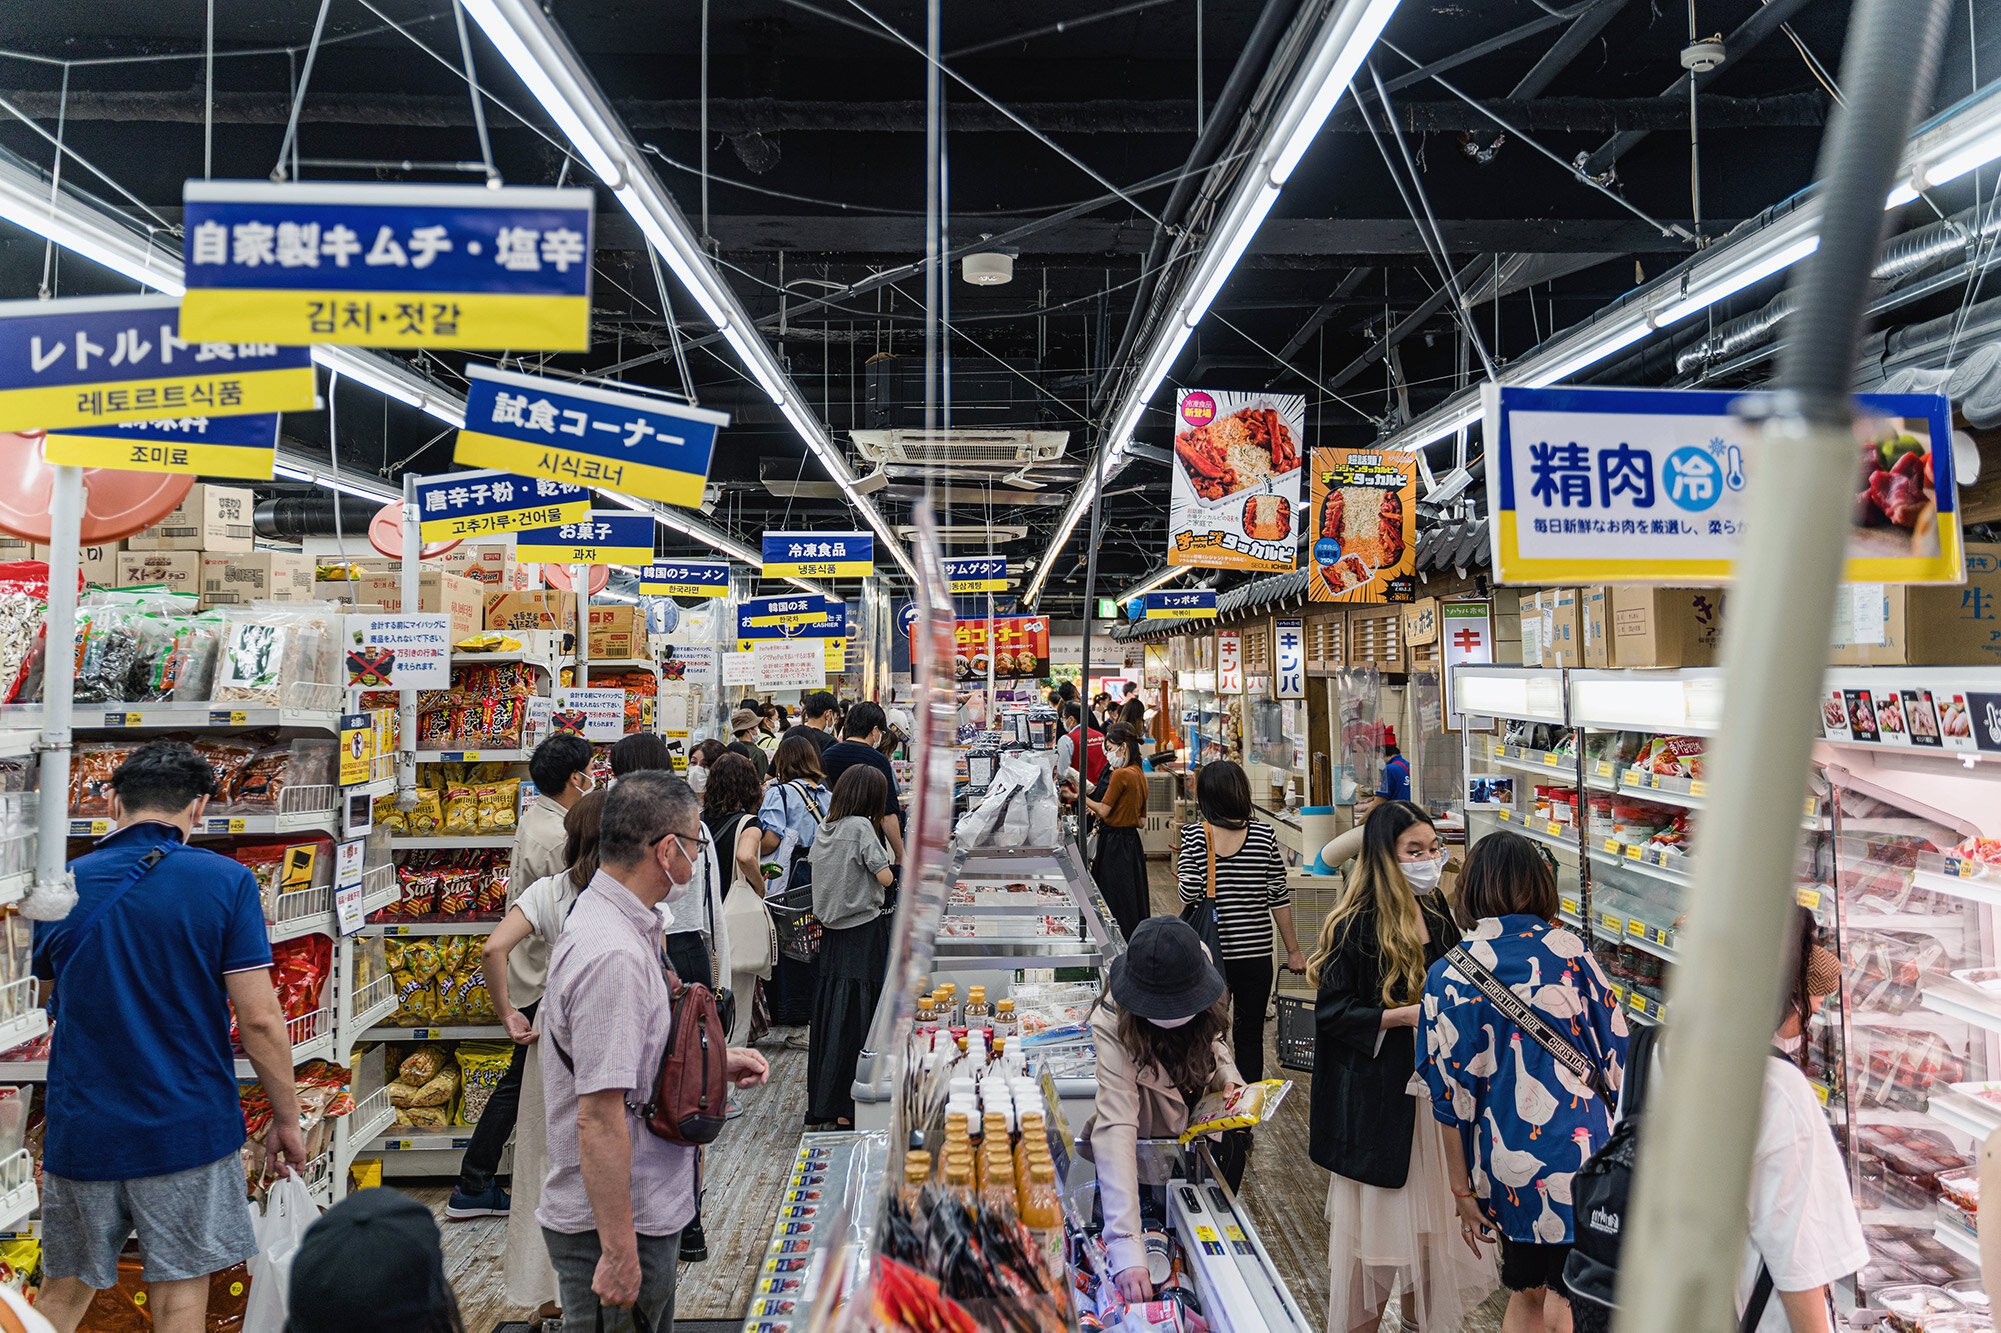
<point>115,504</point>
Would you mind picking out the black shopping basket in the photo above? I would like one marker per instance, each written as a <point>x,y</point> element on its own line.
<point>798,929</point>
<point>1295,1031</point>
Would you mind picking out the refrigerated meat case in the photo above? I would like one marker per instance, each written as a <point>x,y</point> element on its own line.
<point>837,1182</point>
<point>1904,1055</point>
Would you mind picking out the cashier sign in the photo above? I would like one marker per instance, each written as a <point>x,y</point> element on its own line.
<point>388,265</point>
<point>1648,486</point>
<point>540,427</point>
<point>138,396</point>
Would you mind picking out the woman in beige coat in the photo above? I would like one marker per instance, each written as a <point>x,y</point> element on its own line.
<point>1160,1050</point>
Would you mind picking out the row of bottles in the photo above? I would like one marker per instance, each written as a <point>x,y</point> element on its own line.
<point>942,1009</point>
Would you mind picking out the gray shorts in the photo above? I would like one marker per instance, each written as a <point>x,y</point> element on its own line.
<point>190,1224</point>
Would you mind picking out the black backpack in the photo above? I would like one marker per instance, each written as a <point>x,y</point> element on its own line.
<point>1601,1192</point>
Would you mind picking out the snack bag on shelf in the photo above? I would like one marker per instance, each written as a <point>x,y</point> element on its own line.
<point>474,998</point>
<point>299,970</point>
<point>481,1064</point>
<point>24,607</point>
<point>497,805</point>
<point>424,1117</point>
<point>426,818</point>
<point>422,1064</point>
<point>91,767</point>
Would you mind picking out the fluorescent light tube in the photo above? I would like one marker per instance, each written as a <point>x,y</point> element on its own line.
<point>1221,261</point>
<point>1957,163</point>
<point>522,46</point>
<point>1160,580</point>
<point>1594,353</point>
<point>1707,292</point>
<point>766,375</point>
<point>1344,45</point>
<point>691,269</point>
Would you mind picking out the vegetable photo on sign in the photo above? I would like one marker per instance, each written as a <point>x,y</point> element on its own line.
<point>1364,514</point>
<point>1236,480</point>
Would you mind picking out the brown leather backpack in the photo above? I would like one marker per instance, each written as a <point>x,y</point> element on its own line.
<point>691,1089</point>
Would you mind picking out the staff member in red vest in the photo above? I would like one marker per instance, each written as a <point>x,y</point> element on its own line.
<point>1075,737</point>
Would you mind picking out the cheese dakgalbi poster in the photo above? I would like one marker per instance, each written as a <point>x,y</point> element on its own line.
<point>1363,542</point>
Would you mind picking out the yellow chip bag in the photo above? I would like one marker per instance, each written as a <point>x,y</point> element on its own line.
<point>1240,1108</point>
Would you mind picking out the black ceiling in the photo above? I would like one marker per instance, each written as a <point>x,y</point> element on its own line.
<point>817,176</point>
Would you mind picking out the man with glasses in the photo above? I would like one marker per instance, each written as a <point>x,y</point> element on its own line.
<point>617,1198</point>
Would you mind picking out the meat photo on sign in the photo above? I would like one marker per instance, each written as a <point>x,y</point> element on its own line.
<point>1896,503</point>
<point>1238,463</point>
<point>1236,452</point>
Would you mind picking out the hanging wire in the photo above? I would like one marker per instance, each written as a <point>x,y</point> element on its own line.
<point>673,327</point>
<point>472,84</point>
<point>55,191</point>
<point>208,96</point>
<point>287,148</point>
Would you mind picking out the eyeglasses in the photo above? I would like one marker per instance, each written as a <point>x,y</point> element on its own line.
<point>701,843</point>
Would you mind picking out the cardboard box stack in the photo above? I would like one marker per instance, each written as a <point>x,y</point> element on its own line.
<point>617,632</point>
<point>212,518</point>
<point>98,564</point>
<point>380,588</point>
<point>1958,625</point>
<point>261,576</point>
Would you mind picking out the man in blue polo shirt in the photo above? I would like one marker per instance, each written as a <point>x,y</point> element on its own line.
<point>144,1126</point>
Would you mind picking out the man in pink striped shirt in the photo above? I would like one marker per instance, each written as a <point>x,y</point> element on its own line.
<point>617,1197</point>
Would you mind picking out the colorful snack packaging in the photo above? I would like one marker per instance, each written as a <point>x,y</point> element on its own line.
<point>422,1064</point>
<point>1241,1108</point>
<point>481,1064</point>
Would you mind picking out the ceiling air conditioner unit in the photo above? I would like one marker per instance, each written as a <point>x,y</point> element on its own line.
<point>971,534</point>
<point>1004,450</point>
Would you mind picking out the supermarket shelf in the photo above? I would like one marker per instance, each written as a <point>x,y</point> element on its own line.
<point>385,890</point>
<point>1885,1115</point>
<point>1977,890</point>
<point>1898,1217</point>
<point>370,1120</point>
<point>1956,1237</point>
<point>1540,763</point>
<point>1001,954</point>
<point>432,1142</point>
<point>1968,1115</point>
<point>196,715</point>
<point>24,1071</point>
<point>502,840</point>
<point>374,1002</point>
<point>25,1026</point>
<point>1029,906</point>
<point>316,1046</point>
<point>462,658</point>
<point>1540,831</point>
<point>1959,1001</point>
<point>473,756</point>
<point>427,929</point>
<point>18,744</point>
<point>18,1196</point>
<point>228,826</point>
<point>302,912</point>
<point>1927,1019</point>
<point>622,664</point>
<point>487,1033</point>
<point>1624,860</point>
<point>15,887</point>
<point>1688,793</point>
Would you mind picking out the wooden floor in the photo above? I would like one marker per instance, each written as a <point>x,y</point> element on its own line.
<point>746,1169</point>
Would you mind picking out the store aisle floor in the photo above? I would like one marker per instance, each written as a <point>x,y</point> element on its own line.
<point>746,1170</point>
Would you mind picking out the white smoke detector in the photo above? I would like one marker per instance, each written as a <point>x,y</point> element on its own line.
<point>988,268</point>
<point>1701,57</point>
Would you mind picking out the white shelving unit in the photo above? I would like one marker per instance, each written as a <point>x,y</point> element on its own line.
<point>449,842</point>
<point>18,1196</point>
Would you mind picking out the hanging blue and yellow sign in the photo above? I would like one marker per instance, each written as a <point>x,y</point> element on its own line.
<point>800,616</point>
<point>104,360</point>
<point>819,555</point>
<point>976,573</point>
<point>601,537</point>
<point>1198,604</point>
<point>388,265</point>
<point>588,437</point>
<point>686,578</point>
<point>460,505</point>
<point>244,447</point>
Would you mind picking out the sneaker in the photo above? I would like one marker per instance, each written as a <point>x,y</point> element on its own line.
<point>694,1245</point>
<point>732,1108</point>
<point>492,1203</point>
<point>799,1041</point>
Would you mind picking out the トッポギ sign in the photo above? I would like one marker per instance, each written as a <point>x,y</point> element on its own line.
<point>1198,604</point>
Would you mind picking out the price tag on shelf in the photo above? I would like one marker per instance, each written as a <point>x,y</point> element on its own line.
<point>89,828</point>
<point>1570,905</point>
<point>1604,768</point>
<point>1958,867</point>
<point>1821,1092</point>
<point>1697,787</point>
<point>1500,750</point>
<point>1812,806</point>
<point>1618,993</point>
<point>1632,853</point>
<point>397,1145</point>
<point>1554,829</point>
<point>1506,815</point>
<point>1611,847</point>
<point>1636,927</point>
<point>1631,779</point>
<point>121,719</point>
<point>461,756</point>
<point>1552,760</point>
<point>1612,922</point>
<point>1654,781</point>
<point>1807,898</point>
<point>228,717</point>
<point>424,1034</point>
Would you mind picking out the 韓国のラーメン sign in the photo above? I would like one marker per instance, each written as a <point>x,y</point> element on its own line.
<point>541,427</point>
<point>1649,486</point>
<point>103,360</point>
<point>686,578</point>
<point>381,265</point>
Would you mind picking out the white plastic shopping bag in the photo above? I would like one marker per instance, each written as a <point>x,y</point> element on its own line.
<point>288,1210</point>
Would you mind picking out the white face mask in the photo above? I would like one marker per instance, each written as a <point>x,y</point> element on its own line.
<point>678,888</point>
<point>698,777</point>
<point>1423,875</point>
<point>1115,760</point>
<point>1790,1045</point>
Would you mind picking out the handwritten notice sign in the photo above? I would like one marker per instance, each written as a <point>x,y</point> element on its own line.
<point>388,265</point>
<point>102,360</point>
<point>789,664</point>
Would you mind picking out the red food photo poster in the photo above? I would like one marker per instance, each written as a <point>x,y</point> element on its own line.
<point>1235,501</point>
<point>1364,535</point>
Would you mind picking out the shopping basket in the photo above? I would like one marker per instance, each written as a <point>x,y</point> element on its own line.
<point>798,929</point>
<point>1295,1031</point>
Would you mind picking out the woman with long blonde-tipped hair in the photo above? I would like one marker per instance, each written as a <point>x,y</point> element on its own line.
<point>1392,1232</point>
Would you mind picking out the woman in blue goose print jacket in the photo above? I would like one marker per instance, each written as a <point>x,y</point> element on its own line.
<point>1524,1121</point>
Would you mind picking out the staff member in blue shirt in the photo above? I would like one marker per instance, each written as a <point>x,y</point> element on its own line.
<point>144,1126</point>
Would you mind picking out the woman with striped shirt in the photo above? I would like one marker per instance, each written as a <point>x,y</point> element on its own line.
<point>1251,894</point>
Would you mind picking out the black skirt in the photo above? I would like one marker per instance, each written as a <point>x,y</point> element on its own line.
<point>853,963</point>
<point>1120,872</point>
<point>791,991</point>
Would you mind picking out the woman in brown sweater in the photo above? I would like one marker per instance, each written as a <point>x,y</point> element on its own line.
<point>1120,867</point>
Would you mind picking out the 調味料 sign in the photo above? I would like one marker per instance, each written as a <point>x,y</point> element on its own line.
<point>193,446</point>
<point>384,265</point>
<point>1649,486</point>
<point>102,360</point>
